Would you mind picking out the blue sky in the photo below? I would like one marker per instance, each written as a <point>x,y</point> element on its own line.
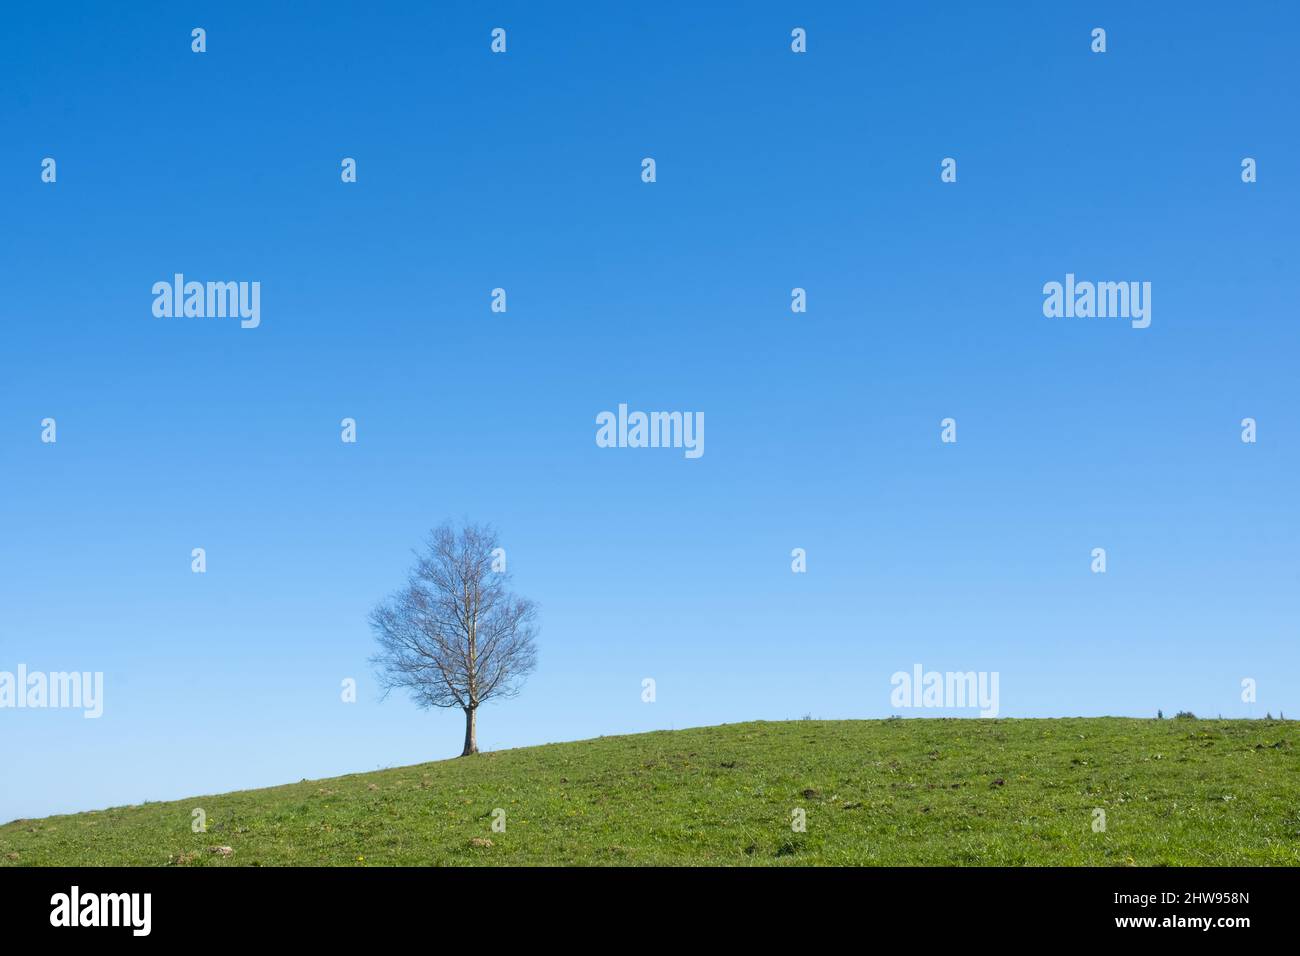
<point>522,171</point>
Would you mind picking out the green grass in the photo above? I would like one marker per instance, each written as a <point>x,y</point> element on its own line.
<point>965,792</point>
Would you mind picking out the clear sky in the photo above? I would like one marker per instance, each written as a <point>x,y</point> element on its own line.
<point>775,170</point>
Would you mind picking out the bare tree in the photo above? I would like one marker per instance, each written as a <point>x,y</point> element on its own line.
<point>455,636</point>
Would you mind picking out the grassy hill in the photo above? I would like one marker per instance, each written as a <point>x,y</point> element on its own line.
<point>1005,792</point>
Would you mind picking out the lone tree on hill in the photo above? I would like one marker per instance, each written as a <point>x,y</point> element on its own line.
<point>455,636</point>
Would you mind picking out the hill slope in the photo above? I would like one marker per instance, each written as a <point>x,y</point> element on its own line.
<point>1006,792</point>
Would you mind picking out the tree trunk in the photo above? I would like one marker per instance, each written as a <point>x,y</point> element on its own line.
<point>471,735</point>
